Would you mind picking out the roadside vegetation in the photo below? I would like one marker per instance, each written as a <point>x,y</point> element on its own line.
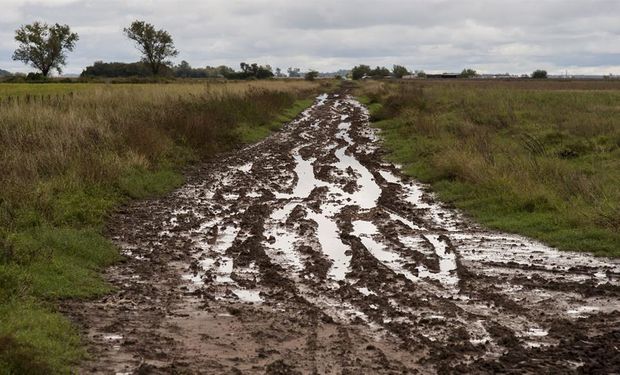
<point>539,158</point>
<point>68,163</point>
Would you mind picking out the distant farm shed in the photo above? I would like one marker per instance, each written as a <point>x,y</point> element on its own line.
<point>443,75</point>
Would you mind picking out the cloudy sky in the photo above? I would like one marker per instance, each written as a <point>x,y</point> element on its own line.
<point>518,36</point>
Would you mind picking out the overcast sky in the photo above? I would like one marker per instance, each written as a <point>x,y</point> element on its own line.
<point>514,36</point>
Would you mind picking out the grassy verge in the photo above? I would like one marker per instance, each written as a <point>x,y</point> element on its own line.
<point>66,164</point>
<point>251,133</point>
<point>539,161</point>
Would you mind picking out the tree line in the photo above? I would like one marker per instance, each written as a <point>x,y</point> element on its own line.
<point>399,71</point>
<point>45,48</point>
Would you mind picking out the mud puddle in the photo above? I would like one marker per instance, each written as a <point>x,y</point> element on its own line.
<point>309,253</point>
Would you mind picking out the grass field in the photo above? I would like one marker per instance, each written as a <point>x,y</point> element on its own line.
<point>67,163</point>
<point>540,158</point>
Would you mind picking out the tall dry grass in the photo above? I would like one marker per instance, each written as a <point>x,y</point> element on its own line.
<point>107,129</point>
<point>538,158</point>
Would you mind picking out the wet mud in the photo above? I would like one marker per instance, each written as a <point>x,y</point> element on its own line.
<point>308,253</point>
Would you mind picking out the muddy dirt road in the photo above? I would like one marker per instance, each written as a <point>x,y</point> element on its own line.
<point>308,253</point>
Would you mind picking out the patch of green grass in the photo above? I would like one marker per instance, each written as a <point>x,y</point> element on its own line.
<point>82,207</point>
<point>62,262</point>
<point>254,133</point>
<point>144,183</point>
<point>542,163</point>
<point>36,340</point>
<point>38,89</point>
<point>251,134</point>
<point>290,113</point>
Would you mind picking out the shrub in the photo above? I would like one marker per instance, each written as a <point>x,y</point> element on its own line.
<point>311,75</point>
<point>539,74</point>
<point>360,71</point>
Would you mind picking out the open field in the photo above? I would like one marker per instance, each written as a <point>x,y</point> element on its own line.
<point>67,163</point>
<point>309,253</point>
<point>539,158</point>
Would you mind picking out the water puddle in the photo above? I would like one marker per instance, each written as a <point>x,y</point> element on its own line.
<point>447,263</point>
<point>369,192</point>
<point>282,248</point>
<point>389,177</point>
<point>366,230</point>
<point>321,99</point>
<point>331,244</point>
<point>251,296</point>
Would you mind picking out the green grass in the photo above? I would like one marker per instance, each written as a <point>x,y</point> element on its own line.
<point>256,132</point>
<point>144,183</point>
<point>542,163</point>
<point>21,89</point>
<point>71,164</point>
<point>35,339</point>
<point>55,255</point>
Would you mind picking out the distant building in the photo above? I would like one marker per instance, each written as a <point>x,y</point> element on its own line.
<point>444,75</point>
<point>496,76</point>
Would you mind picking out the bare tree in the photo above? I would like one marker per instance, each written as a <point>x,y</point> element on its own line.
<point>155,45</point>
<point>44,46</point>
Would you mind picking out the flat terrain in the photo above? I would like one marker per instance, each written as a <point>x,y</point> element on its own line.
<point>536,157</point>
<point>309,253</point>
<point>68,161</point>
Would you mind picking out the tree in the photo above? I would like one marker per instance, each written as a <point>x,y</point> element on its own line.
<point>116,69</point>
<point>399,71</point>
<point>263,72</point>
<point>43,46</point>
<point>539,74</point>
<point>256,71</point>
<point>468,73</point>
<point>222,70</point>
<point>183,70</point>
<point>358,72</point>
<point>311,75</point>
<point>155,45</point>
<point>420,74</point>
<point>380,72</point>
<point>294,72</point>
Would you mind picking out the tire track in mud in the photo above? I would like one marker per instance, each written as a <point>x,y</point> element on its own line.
<point>309,253</point>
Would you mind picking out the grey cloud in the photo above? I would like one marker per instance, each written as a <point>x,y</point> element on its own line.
<point>435,35</point>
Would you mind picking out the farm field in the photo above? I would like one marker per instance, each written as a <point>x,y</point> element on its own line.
<point>68,163</point>
<point>539,158</point>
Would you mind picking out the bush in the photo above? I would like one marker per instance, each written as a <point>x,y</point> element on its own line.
<point>539,74</point>
<point>468,73</point>
<point>38,77</point>
<point>399,71</point>
<point>360,71</point>
<point>311,75</point>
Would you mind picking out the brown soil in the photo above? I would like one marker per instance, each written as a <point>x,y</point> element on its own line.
<point>241,272</point>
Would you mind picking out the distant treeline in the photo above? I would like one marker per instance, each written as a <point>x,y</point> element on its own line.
<point>183,70</point>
